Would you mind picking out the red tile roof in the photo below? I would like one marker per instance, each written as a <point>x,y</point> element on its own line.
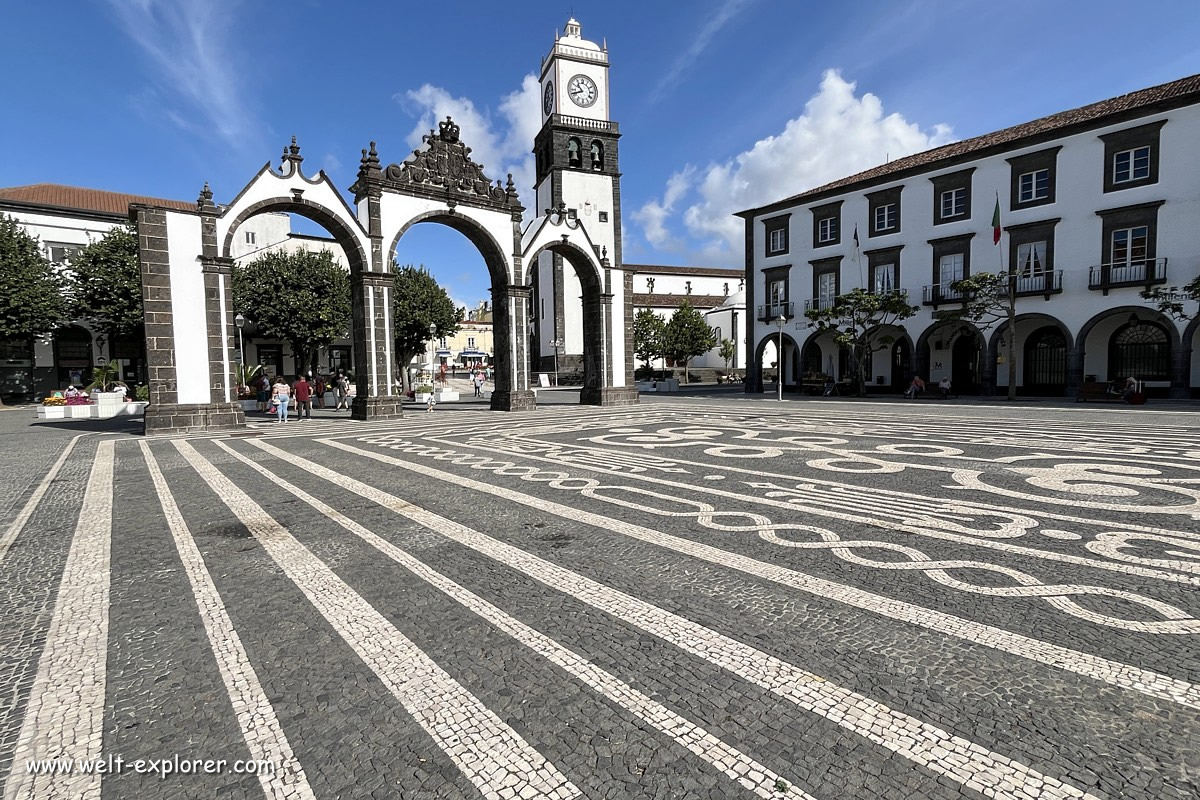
<point>1184,91</point>
<point>79,199</point>
<point>665,269</point>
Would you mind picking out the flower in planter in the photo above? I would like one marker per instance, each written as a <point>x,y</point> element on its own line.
<point>54,401</point>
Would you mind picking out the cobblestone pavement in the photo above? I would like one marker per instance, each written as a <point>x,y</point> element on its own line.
<point>705,598</point>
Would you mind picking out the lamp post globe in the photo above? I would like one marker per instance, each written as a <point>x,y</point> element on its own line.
<point>240,322</point>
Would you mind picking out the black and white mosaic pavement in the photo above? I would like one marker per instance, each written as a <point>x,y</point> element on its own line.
<point>688,599</point>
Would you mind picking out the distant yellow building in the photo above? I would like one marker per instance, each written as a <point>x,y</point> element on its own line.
<point>472,345</point>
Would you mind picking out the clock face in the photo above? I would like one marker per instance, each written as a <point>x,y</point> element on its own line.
<point>582,90</point>
<point>548,97</point>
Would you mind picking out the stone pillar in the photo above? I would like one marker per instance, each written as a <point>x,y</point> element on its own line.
<point>597,352</point>
<point>510,307</point>
<point>1075,369</point>
<point>1181,368</point>
<point>374,370</point>
<point>166,414</point>
<point>753,382</point>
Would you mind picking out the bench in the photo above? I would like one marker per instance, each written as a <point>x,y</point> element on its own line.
<point>1095,390</point>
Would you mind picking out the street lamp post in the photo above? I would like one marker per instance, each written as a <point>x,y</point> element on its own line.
<point>240,322</point>
<point>779,373</point>
<point>556,344</point>
<point>432,335</point>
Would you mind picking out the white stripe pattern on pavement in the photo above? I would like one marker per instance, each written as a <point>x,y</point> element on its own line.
<point>737,766</point>
<point>1114,673</point>
<point>256,716</point>
<point>65,715</point>
<point>972,765</point>
<point>494,757</point>
<point>18,524</point>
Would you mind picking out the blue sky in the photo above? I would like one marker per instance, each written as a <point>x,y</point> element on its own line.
<point>722,104</point>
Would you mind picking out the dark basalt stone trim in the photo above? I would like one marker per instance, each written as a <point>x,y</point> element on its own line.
<point>609,396</point>
<point>172,418</point>
<point>1141,136</point>
<point>949,245</point>
<point>366,409</point>
<point>753,382</point>
<point>781,222</point>
<point>891,195</point>
<point>946,183</point>
<point>820,213</point>
<point>514,400</point>
<point>1042,230</point>
<point>1031,162</point>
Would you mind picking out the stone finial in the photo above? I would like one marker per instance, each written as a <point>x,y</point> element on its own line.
<point>291,153</point>
<point>448,130</point>
<point>510,188</point>
<point>205,201</point>
<point>604,251</point>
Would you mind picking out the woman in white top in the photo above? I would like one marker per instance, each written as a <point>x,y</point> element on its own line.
<point>281,395</point>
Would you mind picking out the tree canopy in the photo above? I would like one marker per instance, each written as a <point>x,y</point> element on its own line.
<point>1171,301</point>
<point>31,290</point>
<point>301,297</point>
<point>418,301</point>
<point>107,283</point>
<point>687,335</point>
<point>988,298</point>
<point>648,331</point>
<point>854,315</point>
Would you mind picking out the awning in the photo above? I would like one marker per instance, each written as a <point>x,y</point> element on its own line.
<point>472,354</point>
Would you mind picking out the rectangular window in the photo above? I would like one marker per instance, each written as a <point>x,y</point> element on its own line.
<point>571,214</point>
<point>950,269</point>
<point>827,229</point>
<point>885,279</point>
<point>885,217</point>
<point>543,308</point>
<point>604,216</point>
<point>954,203</point>
<point>778,292</point>
<point>442,343</point>
<point>826,289</point>
<point>59,253</point>
<point>1131,165</point>
<point>1031,258</point>
<point>470,342</point>
<point>1129,245</point>
<point>251,237</point>
<point>1033,186</point>
<point>778,241</point>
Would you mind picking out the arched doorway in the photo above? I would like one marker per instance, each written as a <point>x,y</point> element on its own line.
<point>16,369</point>
<point>1140,349</point>
<point>790,363</point>
<point>1045,360</point>
<point>72,356</point>
<point>901,358</point>
<point>965,370</point>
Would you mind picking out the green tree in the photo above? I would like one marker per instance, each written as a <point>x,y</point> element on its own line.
<point>31,290</point>
<point>854,315</point>
<point>988,298</point>
<point>301,297</point>
<point>726,352</point>
<point>1171,301</point>
<point>648,330</point>
<point>107,284</point>
<point>687,336</point>
<point>418,301</point>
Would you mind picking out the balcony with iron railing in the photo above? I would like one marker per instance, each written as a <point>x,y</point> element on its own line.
<point>1148,272</point>
<point>938,293</point>
<point>1043,283</point>
<point>819,303</point>
<point>583,123</point>
<point>773,311</point>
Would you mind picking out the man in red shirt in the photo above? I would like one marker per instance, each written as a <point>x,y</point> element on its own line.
<point>303,391</point>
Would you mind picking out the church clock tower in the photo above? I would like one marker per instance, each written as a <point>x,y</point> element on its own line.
<point>576,160</point>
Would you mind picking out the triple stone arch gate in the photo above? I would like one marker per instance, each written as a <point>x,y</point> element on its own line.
<point>186,267</point>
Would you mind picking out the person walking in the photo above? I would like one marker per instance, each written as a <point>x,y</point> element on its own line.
<point>343,393</point>
<point>262,388</point>
<point>319,385</point>
<point>303,392</point>
<point>281,396</point>
<point>477,382</point>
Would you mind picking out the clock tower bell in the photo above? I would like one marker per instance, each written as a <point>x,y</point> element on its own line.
<point>575,153</point>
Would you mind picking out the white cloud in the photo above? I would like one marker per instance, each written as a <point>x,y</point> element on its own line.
<point>653,215</point>
<point>186,45</point>
<point>700,42</point>
<point>501,143</point>
<point>837,135</point>
<point>331,164</point>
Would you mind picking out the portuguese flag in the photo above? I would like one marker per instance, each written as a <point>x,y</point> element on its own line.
<point>996,221</point>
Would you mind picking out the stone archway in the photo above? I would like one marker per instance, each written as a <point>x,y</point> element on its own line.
<point>935,355</point>
<point>1080,365</point>
<point>187,269</point>
<point>788,361</point>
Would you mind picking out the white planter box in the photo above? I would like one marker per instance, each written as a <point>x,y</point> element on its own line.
<point>249,405</point>
<point>330,400</point>
<point>80,412</point>
<point>646,386</point>
<point>51,412</point>
<point>423,397</point>
<point>108,398</point>
<point>446,395</point>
